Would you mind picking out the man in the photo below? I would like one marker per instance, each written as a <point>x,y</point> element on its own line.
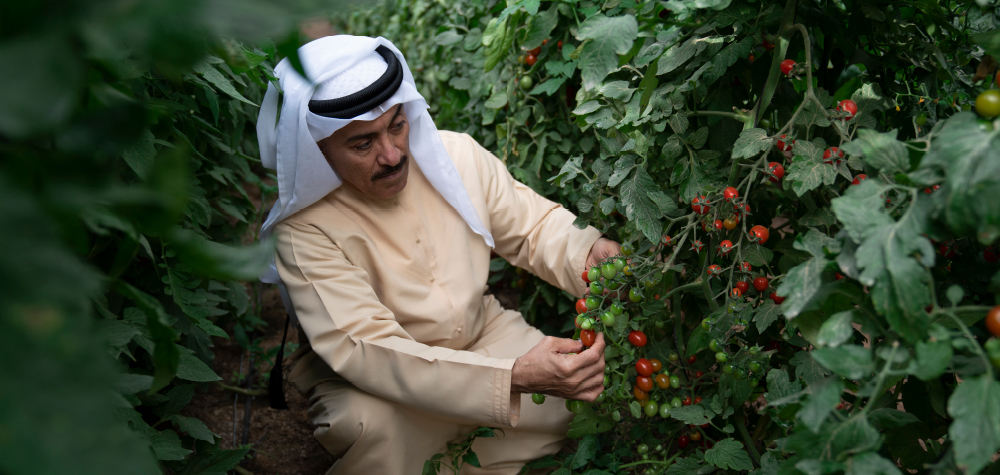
<point>384,227</point>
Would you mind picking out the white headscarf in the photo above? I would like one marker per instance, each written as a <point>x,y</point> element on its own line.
<point>338,66</point>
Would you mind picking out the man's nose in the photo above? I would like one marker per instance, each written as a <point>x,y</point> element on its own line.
<point>389,154</point>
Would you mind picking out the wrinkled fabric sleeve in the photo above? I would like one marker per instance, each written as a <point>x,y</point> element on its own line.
<point>359,338</point>
<point>531,231</point>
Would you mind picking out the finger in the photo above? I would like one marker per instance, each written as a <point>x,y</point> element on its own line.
<point>598,347</point>
<point>566,345</point>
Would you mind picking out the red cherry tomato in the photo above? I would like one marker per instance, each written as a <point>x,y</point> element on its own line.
<point>776,298</point>
<point>662,381</point>
<point>581,306</point>
<point>537,51</point>
<point>786,66</point>
<point>531,60</point>
<point>644,383</point>
<point>637,338</point>
<point>656,364</point>
<point>736,293</point>
<point>714,270</point>
<point>993,321</point>
<point>687,400</point>
<point>640,394</point>
<point>559,45</point>
<point>746,267</point>
<point>683,441</point>
<point>838,275</point>
<point>768,46</point>
<point>724,247</point>
<point>665,240</point>
<point>692,359</point>
<point>990,255</point>
<point>858,179</point>
<point>585,279</point>
<point>760,283</point>
<point>759,234</point>
<point>848,106</point>
<point>698,374</point>
<point>833,155</point>
<point>743,286</point>
<point>697,400</point>
<point>700,208</point>
<point>730,193</point>
<point>741,209</point>
<point>644,367</point>
<point>718,224</point>
<point>776,171</point>
<point>784,147</point>
<point>588,337</point>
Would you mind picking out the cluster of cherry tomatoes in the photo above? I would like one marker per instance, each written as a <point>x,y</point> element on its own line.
<point>611,275</point>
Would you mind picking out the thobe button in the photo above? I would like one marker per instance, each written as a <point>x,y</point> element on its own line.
<point>418,240</point>
<point>432,279</point>
<point>459,329</point>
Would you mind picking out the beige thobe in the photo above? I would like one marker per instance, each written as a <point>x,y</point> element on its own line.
<point>407,352</point>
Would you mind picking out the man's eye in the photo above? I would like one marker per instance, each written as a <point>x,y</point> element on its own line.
<point>399,126</point>
<point>363,145</point>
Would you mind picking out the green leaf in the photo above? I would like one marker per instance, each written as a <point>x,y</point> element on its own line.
<point>836,330</point>
<point>850,361</point>
<point>608,37</point>
<point>549,87</point>
<point>757,256</point>
<point>447,38</point>
<point>569,171</point>
<point>639,208</point>
<point>218,261</point>
<point>885,418</point>
<point>880,150</point>
<point>731,54</point>
<point>806,174</point>
<point>779,386</point>
<point>140,155</point>
<point>193,369</point>
<point>823,397</point>
<point>806,368</point>
<point>678,55</point>
<point>693,414</point>
<point>812,114</point>
<point>497,100</point>
<point>617,90</point>
<point>818,217</point>
<point>800,285</point>
<point>750,143</point>
<point>975,430</point>
<point>855,435</point>
<point>622,168</point>
<point>933,358</point>
<point>587,423</point>
<point>194,427</point>
<point>887,254</point>
<point>728,454</point>
<point>166,445</point>
<point>685,466</point>
<point>585,451</point>
<point>871,463</point>
<point>540,26</point>
<point>213,76</point>
<point>766,314</point>
<point>816,243</point>
<point>497,41</point>
<point>214,462</point>
<point>133,383</point>
<point>44,91</point>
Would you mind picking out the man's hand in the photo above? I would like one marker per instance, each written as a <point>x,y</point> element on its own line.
<point>602,249</point>
<point>548,369</point>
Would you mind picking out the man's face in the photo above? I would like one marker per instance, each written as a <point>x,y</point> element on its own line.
<point>372,156</point>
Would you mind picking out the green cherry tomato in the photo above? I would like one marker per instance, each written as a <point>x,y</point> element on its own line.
<point>665,410</point>
<point>608,318</point>
<point>577,407</point>
<point>649,284</point>
<point>651,409</point>
<point>607,380</point>
<point>612,285</point>
<point>727,368</point>
<point>713,345</point>
<point>754,382</point>
<point>676,402</point>
<point>608,271</point>
<point>921,119</point>
<point>753,350</point>
<point>738,373</point>
<point>985,125</point>
<point>754,366</point>
<point>674,357</point>
<point>721,357</point>
<point>627,270</point>
<point>538,398</point>
<point>593,302</point>
<point>600,397</point>
<point>764,124</point>
<point>569,405</point>
<point>658,324</point>
<point>593,274</point>
<point>607,369</point>
<point>587,324</point>
<point>526,83</point>
<point>706,324</point>
<point>627,249</point>
<point>675,381</point>
<point>596,288</point>
<point>988,103</point>
<point>642,448</point>
<point>617,309</point>
<point>620,264</point>
<point>579,319</point>
<point>633,295</point>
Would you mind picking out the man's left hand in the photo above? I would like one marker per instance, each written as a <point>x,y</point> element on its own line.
<point>602,249</point>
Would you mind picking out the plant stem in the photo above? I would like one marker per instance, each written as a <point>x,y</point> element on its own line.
<point>972,339</point>
<point>787,19</point>
<point>678,327</point>
<point>658,462</point>
<point>742,427</point>
<point>239,390</point>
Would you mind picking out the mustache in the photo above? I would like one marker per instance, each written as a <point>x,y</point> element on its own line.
<point>389,171</point>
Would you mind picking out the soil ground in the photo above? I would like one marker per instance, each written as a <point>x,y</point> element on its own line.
<point>282,440</point>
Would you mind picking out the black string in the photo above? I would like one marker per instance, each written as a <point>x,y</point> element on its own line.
<point>349,107</point>
<point>276,384</point>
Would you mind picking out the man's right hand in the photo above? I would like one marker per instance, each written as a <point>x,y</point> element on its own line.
<point>549,369</point>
